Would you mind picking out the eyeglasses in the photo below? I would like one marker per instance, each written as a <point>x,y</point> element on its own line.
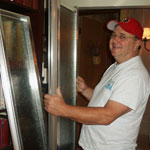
<point>122,37</point>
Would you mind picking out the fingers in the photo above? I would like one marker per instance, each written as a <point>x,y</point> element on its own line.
<point>47,99</point>
<point>54,104</point>
<point>58,92</point>
<point>79,79</point>
<point>81,85</point>
<point>49,102</point>
<point>47,96</point>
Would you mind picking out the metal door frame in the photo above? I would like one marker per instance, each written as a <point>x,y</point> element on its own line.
<point>54,63</point>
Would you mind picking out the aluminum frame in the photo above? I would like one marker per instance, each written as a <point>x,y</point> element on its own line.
<point>7,85</point>
<point>54,7</point>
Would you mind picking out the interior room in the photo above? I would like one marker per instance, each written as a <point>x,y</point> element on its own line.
<point>61,46</point>
<point>94,21</point>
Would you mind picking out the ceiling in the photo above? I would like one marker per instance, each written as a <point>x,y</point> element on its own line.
<point>97,4</point>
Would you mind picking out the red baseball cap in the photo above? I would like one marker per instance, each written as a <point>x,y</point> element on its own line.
<point>129,24</point>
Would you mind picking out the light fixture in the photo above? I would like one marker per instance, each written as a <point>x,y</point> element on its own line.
<point>146,37</point>
<point>96,56</point>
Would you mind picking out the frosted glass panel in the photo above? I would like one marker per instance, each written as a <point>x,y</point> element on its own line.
<point>68,31</point>
<point>62,50</point>
<point>23,80</point>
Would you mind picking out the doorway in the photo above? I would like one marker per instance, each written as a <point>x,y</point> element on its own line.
<point>93,35</point>
<point>94,56</point>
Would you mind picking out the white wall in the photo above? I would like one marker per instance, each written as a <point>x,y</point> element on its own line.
<point>106,3</point>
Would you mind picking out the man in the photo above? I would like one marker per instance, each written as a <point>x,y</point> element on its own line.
<point>116,106</point>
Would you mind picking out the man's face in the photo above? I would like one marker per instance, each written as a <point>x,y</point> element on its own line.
<point>123,45</point>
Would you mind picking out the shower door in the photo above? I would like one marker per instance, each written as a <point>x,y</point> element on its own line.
<point>20,82</point>
<point>62,56</point>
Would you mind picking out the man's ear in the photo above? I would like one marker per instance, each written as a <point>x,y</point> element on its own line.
<point>138,45</point>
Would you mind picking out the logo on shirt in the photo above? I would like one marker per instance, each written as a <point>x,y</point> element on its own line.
<point>109,85</point>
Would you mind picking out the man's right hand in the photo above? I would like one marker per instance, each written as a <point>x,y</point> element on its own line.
<point>83,88</point>
<point>81,85</point>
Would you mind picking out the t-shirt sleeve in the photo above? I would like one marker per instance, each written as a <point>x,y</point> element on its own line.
<point>128,91</point>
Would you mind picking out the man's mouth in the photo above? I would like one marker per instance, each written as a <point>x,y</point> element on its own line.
<point>114,46</point>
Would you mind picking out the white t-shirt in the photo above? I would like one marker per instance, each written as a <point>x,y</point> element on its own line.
<point>129,84</point>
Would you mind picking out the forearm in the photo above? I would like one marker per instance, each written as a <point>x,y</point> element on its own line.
<point>55,105</point>
<point>88,93</point>
<point>87,115</point>
<point>83,88</point>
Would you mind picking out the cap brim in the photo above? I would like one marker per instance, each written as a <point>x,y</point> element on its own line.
<point>112,24</point>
